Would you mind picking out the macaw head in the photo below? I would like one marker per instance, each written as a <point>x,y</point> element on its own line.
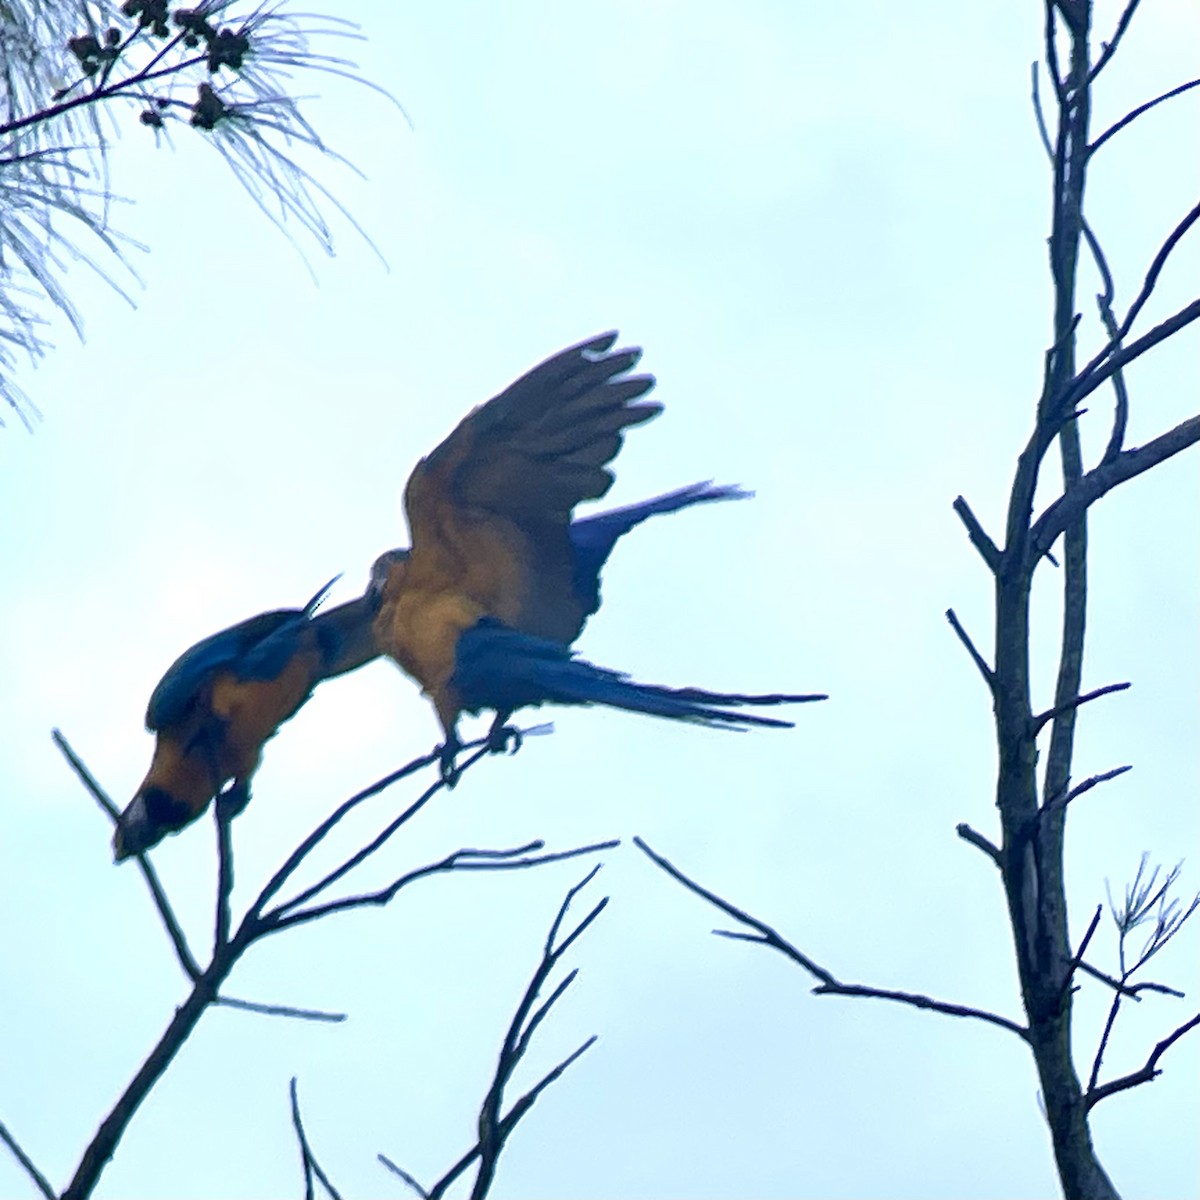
<point>387,571</point>
<point>184,776</point>
<point>151,815</point>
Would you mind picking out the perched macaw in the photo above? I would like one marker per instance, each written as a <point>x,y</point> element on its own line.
<point>482,610</point>
<point>223,699</point>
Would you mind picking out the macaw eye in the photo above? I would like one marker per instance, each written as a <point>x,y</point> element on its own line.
<point>384,565</point>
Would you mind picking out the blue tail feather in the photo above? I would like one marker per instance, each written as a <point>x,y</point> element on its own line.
<point>499,668</point>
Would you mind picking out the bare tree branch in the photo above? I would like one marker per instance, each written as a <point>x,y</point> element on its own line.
<point>828,984</point>
<point>40,1181</point>
<point>1050,46</point>
<point>979,537</point>
<point>174,930</point>
<point>977,840</point>
<point>224,917</point>
<point>318,835</point>
<point>1063,799</point>
<point>1110,48</point>
<point>1137,112</point>
<point>104,1145</point>
<point>461,860</point>
<point>509,1121</point>
<point>1150,1071</point>
<point>401,1173</point>
<point>495,1128</point>
<point>1075,962</point>
<point>1156,267</point>
<point>1129,991</point>
<point>308,1160</point>
<point>1104,300</point>
<point>988,674</point>
<point>1116,439</point>
<point>280,1010</point>
<point>255,925</point>
<point>1042,719</point>
<point>1102,479</point>
<point>1109,360</point>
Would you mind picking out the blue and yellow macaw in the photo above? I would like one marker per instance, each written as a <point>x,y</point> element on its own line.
<point>222,700</point>
<point>484,607</point>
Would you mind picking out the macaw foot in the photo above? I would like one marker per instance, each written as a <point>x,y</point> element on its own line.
<point>233,800</point>
<point>448,760</point>
<point>503,738</point>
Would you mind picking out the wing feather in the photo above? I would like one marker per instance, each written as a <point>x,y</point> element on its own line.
<point>489,510</point>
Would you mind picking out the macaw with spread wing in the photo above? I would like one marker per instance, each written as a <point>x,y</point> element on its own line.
<point>482,610</point>
<point>222,700</point>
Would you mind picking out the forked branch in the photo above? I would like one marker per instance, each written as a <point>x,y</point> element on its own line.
<point>1145,1074</point>
<point>39,1180</point>
<point>259,922</point>
<point>496,1125</point>
<point>1108,475</point>
<point>828,984</point>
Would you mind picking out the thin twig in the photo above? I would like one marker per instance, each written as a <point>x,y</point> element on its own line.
<point>187,960</point>
<point>1039,115</point>
<point>979,537</point>
<point>1130,990</point>
<point>40,1181</point>
<point>1051,47</point>
<point>518,1110</point>
<point>307,1158</point>
<point>224,918</point>
<point>1098,1058</point>
<point>977,840</point>
<point>1150,1071</point>
<point>1137,112</point>
<point>1104,303</point>
<point>311,842</point>
<point>829,985</point>
<point>989,676</point>
<point>1061,801</point>
<point>1110,48</point>
<point>460,860</point>
<point>401,1173</point>
<point>279,1010</point>
<point>1116,439</point>
<point>1073,965</point>
<point>1042,719</point>
<point>1156,267</point>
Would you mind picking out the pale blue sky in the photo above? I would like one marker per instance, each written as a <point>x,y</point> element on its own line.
<point>826,225</point>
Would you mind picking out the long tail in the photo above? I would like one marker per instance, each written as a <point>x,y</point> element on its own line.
<point>593,538</point>
<point>499,668</point>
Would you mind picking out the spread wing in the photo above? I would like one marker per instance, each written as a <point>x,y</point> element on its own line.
<point>489,510</point>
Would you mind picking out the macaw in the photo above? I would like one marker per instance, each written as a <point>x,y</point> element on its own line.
<point>224,698</point>
<point>484,607</point>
